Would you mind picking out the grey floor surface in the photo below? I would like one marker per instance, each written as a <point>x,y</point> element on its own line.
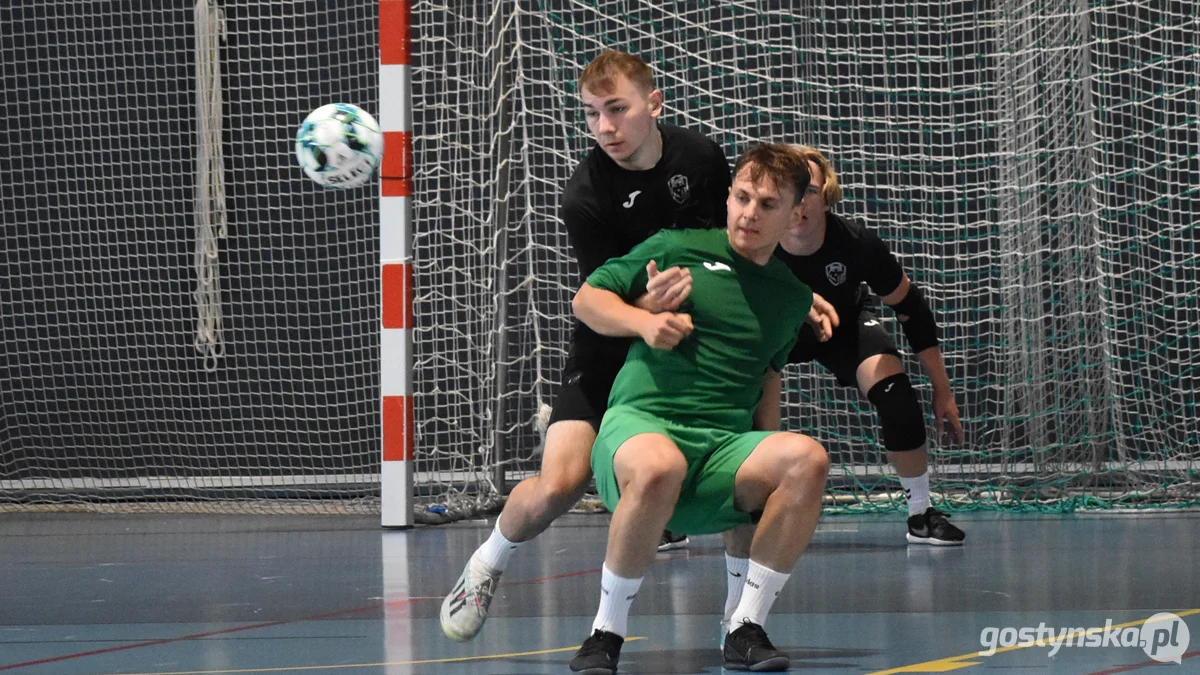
<point>201,594</point>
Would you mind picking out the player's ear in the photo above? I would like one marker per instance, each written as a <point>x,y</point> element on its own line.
<point>656,101</point>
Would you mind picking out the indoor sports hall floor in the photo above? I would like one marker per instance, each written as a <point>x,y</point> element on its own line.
<point>100,594</point>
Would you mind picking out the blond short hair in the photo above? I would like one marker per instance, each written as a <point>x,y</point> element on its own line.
<point>598,76</point>
<point>780,163</point>
<point>832,190</point>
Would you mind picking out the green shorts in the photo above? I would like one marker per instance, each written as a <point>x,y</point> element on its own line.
<point>713,457</point>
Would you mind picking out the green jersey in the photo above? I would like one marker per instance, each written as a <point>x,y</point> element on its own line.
<point>745,318</point>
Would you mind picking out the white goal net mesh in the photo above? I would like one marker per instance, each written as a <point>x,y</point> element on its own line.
<point>118,297</point>
<point>1034,165</point>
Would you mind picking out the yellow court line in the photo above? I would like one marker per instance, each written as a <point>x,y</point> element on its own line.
<point>285,669</point>
<point>955,662</point>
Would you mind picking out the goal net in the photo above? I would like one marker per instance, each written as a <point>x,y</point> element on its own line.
<point>178,337</point>
<point>1033,164</point>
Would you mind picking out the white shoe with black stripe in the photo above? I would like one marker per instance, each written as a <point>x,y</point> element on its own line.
<point>466,607</point>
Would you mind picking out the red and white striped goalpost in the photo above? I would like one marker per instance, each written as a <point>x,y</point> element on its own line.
<point>395,338</point>
<point>395,258</point>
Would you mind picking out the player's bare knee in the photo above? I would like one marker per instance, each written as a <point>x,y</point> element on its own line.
<point>655,475</point>
<point>661,475</point>
<point>817,464</point>
<point>564,484</point>
<point>566,465</point>
<point>561,492</point>
<point>807,465</point>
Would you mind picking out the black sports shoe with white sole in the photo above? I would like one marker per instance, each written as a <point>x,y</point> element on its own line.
<point>749,648</point>
<point>599,654</point>
<point>671,541</point>
<point>933,528</point>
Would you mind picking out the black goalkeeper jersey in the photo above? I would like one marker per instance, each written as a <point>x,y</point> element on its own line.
<point>851,256</point>
<point>608,210</point>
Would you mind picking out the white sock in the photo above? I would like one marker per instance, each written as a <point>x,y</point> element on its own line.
<point>616,596</point>
<point>737,568</point>
<point>496,551</point>
<point>917,490</point>
<point>762,587</point>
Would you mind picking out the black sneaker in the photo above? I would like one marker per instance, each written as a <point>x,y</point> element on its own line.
<point>933,528</point>
<point>599,654</point>
<point>749,648</point>
<point>670,541</point>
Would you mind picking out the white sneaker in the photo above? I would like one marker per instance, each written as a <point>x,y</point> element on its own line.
<point>465,609</point>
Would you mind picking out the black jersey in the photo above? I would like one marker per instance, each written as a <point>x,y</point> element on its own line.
<point>608,210</point>
<point>850,256</point>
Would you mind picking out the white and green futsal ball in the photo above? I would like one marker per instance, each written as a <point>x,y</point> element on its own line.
<point>339,145</point>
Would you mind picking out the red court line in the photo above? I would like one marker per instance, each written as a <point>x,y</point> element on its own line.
<point>1147,664</point>
<point>196,636</point>
<point>282,622</point>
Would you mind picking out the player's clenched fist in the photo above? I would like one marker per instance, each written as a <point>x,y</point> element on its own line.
<point>665,330</point>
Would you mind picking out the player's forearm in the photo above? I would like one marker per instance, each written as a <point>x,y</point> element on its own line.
<point>767,414</point>
<point>607,313</point>
<point>647,302</point>
<point>935,368</point>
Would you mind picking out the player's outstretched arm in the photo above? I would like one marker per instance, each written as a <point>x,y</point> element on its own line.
<point>608,314</point>
<point>944,407</point>
<point>920,327</point>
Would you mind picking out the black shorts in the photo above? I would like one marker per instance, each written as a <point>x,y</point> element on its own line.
<point>583,394</point>
<point>852,343</point>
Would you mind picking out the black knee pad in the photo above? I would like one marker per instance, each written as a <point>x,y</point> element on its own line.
<point>900,414</point>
